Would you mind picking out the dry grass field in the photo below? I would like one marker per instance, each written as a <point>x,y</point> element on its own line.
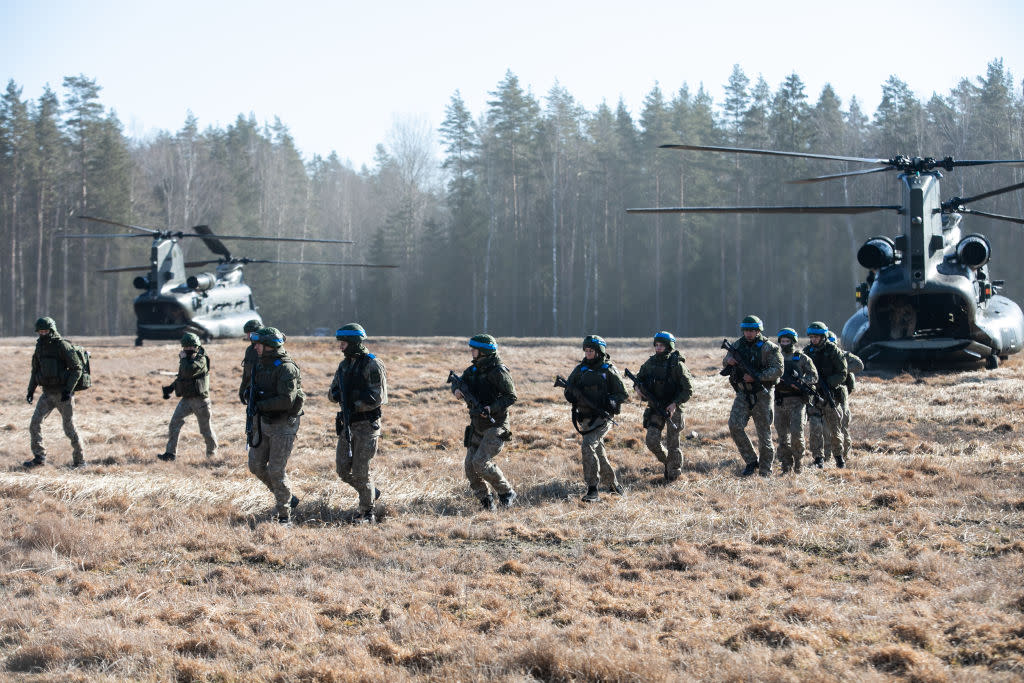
<point>907,565</point>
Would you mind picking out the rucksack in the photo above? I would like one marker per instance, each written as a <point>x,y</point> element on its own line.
<point>85,381</point>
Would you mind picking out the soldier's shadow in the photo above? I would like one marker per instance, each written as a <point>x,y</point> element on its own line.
<point>550,491</point>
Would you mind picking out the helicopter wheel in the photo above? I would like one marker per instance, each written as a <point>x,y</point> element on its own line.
<point>992,362</point>
<point>138,341</point>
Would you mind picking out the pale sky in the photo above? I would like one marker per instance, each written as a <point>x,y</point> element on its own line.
<point>339,74</point>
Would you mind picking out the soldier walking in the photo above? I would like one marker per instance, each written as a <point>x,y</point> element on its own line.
<point>249,360</point>
<point>825,421</point>
<point>278,386</point>
<point>798,376</point>
<point>596,393</point>
<point>490,384</point>
<point>754,393</point>
<point>57,369</point>
<point>854,365</point>
<point>360,386</point>
<point>669,381</point>
<point>193,386</point>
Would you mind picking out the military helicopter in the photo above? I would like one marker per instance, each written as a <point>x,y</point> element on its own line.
<point>927,298</point>
<point>210,304</point>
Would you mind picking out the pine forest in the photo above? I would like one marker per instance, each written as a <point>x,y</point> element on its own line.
<point>518,227</point>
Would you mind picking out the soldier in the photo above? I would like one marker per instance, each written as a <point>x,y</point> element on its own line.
<point>825,421</point>
<point>669,381</point>
<point>790,399</point>
<point>279,399</point>
<point>361,382</point>
<point>490,383</point>
<point>595,391</point>
<point>193,386</point>
<point>854,365</point>
<point>57,369</point>
<point>754,393</point>
<point>249,360</point>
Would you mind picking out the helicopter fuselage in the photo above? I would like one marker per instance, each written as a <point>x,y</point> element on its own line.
<point>930,300</point>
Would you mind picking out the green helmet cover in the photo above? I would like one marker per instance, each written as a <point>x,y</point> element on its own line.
<point>270,336</point>
<point>592,341</point>
<point>788,332</point>
<point>189,339</point>
<point>485,342</point>
<point>46,323</point>
<point>350,331</point>
<point>751,322</point>
<point>817,327</point>
<point>252,326</point>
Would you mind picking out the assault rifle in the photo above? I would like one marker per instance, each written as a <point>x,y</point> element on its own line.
<point>475,406</point>
<point>343,419</point>
<point>825,389</point>
<point>253,426</point>
<point>803,387</point>
<point>743,365</point>
<point>659,407</point>
<point>577,397</point>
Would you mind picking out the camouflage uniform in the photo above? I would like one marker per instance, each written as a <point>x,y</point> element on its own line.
<point>598,384</point>
<point>366,390</point>
<point>755,400</point>
<point>666,375</point>
<point>490,383</point>
<point>193,386</point>
<point>57,369</point>
<point>789,408</point>
<point>279,400</point>
<point>824,421</point>
<point>249,360</point>
<point>854,365</point>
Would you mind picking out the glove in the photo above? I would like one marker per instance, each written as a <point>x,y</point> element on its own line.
<point>65,396</point>
<point>168,391</point>
<point>486,412</point>
<point>242,400</point>
<point>614,407</point>
<point>29,397</point>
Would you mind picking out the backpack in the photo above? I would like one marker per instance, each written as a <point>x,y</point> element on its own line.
<point>85,381</point>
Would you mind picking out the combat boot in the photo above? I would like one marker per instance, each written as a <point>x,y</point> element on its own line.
<point>786,469</point>
<point>819,463</point>
<point>75,464</point>
<point>749,469</point>
<point>34,462</point>
<point>671,476</point>
<point>294,502</point>
<point>367,517</point>
<point>487,503</point>
<point>506,499</point>
<point>166,457</point>
<point>591,496</point>
<point>284,516</point>
<point>616,488</point>
<point>796,467</point>
<point>840,462</point>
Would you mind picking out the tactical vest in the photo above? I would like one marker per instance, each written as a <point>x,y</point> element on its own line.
<point>822,361</point>
<point>53,365</point>
<point>194,387</point>
<point>791,370</point>
<point>659,372</point>
<point>592,382</point>
<point>751,353</point>
<point>265,379</point>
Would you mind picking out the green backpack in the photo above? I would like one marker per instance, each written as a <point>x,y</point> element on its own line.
<point>85,381</point>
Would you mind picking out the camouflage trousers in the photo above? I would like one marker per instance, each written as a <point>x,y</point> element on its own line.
<point>268,460</point>
<point>49,400</point>
<point>825,427</point>
<point>480,470</point>
<point>844,427</point>
<point>200,407</point>
<point>596,467</point>
<point>763,414</point>
<point>353,464</point>
<point>668,453</point>
<point>789,428</point>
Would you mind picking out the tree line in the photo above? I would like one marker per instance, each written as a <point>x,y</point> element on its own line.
<point>520,229</point>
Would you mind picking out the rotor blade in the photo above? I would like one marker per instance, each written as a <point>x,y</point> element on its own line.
<point>833,176</point>
<point>773,153</point>
<point>125,269</point>
<point>986,162</point>
<point>771,209</point>
<point>998,217</point>
<point>315,263</point>
<point>993,193</point>
<point>120,225</point>
<point>212,243</point>
<point>123,234</point>
<point>249,238</point>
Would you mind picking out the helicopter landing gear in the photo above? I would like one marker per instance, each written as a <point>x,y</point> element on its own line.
<point>138,341</point>
<point>992,362</point>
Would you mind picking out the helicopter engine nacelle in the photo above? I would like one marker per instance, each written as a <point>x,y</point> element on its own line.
<point>141,282</point>
<point>201,282</point>
<point>974,251</point>
<point>877,253</point>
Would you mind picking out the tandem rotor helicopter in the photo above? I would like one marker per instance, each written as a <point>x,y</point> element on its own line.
<point>209,304</point>
<point>927,298</point>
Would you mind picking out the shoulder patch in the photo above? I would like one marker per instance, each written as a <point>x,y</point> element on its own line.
<point>371,356</point>
<point>760,344</point>
<point>277,363</point>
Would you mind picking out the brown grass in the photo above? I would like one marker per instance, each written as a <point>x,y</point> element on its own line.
<point>906,565</point>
